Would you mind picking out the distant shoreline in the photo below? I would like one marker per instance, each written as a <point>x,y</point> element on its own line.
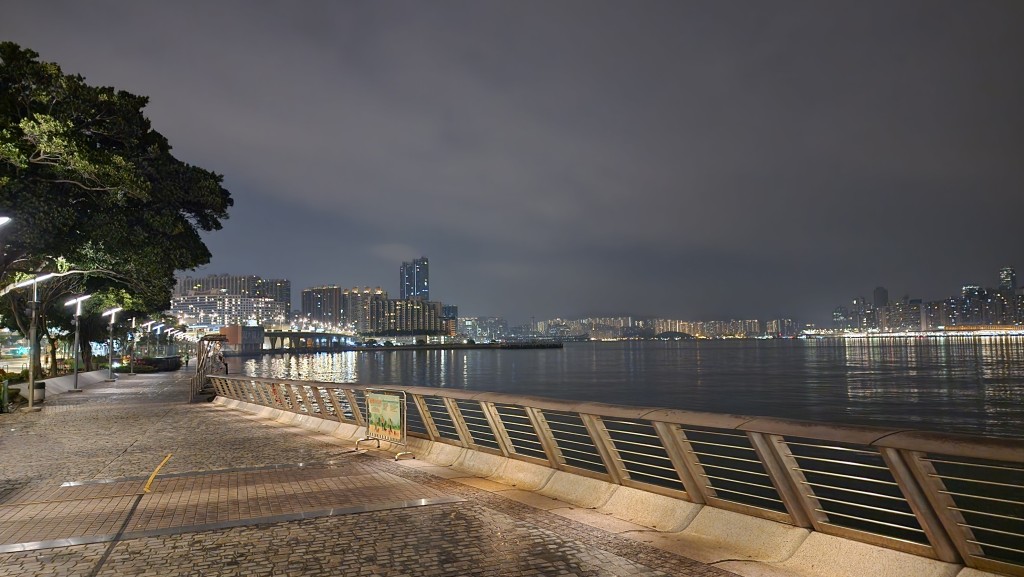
<point>386,348</point>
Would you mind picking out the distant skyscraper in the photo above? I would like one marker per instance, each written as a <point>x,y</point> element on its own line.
<point>881,297</point>
<point>1007,279</point>
<point>322,303</point>
<point>414,280</point>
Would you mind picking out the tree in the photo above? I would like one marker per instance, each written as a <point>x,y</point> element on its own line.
<point>88,183</point>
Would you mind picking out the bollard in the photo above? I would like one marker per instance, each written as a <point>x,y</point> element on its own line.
<point>3,395</point>
<point>39,395</point>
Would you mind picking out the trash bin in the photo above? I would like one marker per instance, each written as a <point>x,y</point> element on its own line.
<point>40,392</point>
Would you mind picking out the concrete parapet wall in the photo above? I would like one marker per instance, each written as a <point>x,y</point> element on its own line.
<point>479,464</point>
<point>522,475</point>
<point>650,509</point>
<point>578,490</point>
<point>829,556</point>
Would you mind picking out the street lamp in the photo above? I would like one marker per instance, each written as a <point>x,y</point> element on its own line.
<point>110,364</point>
<point>34,316</point>
<point>156,328</point>
<point>78,313</point>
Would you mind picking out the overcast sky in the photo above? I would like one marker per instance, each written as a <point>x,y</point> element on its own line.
<point>691,160</point>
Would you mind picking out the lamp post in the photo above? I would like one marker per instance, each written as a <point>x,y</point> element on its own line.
<point>135,347</point>
<point>78,313</point>
<point>110,364</point>
<point>170,343</point>
<point>156,329</point>
<point>34,316</point>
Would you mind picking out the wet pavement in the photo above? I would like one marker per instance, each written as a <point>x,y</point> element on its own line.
<point>128,478</point>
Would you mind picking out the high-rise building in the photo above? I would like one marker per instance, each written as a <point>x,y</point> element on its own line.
<point>215,309</point>
<point>279,289</point>
<point>881,297</point>
<point>358,307</point>
<point>229,284</point>
<point>414,280</point>
<point>252,286</point>
<point>1007,279</point>
<point>323,304</point>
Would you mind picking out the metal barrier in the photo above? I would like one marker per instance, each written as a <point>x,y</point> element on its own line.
<point>954,498</point>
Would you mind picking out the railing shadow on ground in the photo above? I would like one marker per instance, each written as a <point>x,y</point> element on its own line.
<point>952,498</point>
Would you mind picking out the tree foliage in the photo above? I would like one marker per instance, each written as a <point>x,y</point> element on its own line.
<point>90,185</point>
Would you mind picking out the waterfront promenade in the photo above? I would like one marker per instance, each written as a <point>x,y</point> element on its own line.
<point>244,496</point>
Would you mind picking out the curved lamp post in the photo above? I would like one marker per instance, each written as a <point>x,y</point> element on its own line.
<point>110,364</point>
<point>156,329</point>
<point>33,322</point>
<point>78,313</point>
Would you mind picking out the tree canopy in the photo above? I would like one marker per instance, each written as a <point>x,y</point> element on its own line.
<point>89,183</point>
<point>90,186</point>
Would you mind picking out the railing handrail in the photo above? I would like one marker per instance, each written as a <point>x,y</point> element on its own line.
<point>1002,448</point>
<point>948,496</point>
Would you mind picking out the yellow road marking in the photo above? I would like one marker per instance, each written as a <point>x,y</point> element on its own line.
<point>155,471</point>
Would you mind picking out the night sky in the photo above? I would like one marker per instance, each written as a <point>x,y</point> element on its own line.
<point>689,160</point>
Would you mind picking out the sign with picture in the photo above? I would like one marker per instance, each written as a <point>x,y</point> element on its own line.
<point>385,415</point>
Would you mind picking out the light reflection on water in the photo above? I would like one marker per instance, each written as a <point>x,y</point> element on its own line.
<point>965,384</point>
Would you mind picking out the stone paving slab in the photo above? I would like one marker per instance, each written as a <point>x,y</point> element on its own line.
<point>232,502</point>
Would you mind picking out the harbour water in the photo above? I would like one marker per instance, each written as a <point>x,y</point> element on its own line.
<point>954,384</point>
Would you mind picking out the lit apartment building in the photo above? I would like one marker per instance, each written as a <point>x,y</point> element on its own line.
<point>215,310</point>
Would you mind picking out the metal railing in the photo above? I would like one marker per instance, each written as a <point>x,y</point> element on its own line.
<point>954,498</point>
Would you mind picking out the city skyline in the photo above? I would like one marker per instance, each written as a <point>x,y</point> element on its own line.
<point>687,160</point>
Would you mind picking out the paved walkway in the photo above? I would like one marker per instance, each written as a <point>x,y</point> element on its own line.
<point>241,496</point>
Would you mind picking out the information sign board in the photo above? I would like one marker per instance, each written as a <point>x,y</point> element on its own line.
<point>385,415</point>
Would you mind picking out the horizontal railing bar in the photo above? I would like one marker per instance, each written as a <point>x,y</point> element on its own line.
<point>831,447</point>
<point>630,433</point>
<point>841,476</point>
<point>629,452</point>
<point>856,491</point>
<point>578,452</point>
<point>990,530</point>
<point>633,444</point>
<point>970,496</point>
<point>860,506</point>
<point>571,442</point>
<point>637,444</point>
<point>994,546</point>
<point>737,481</point>
<point>744,471</point>
<point>837,462</point>
<point>979,481</point>
<point>572,434</point>
<point>751,495</point>
<point>659,467</point>
<point>532,438</point>
<point>986,513</point>
<point>740,459</point>
<point>674,480</point>
<point>978,465</point>
<point>723,445</point>
<point>871,521</point>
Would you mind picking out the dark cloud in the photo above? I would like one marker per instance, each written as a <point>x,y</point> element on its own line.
<point>687,160</point>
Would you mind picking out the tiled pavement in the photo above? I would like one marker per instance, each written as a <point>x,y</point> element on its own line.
<point>234,500</point>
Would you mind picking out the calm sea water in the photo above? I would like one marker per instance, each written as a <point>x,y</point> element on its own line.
<point>962,384</point>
